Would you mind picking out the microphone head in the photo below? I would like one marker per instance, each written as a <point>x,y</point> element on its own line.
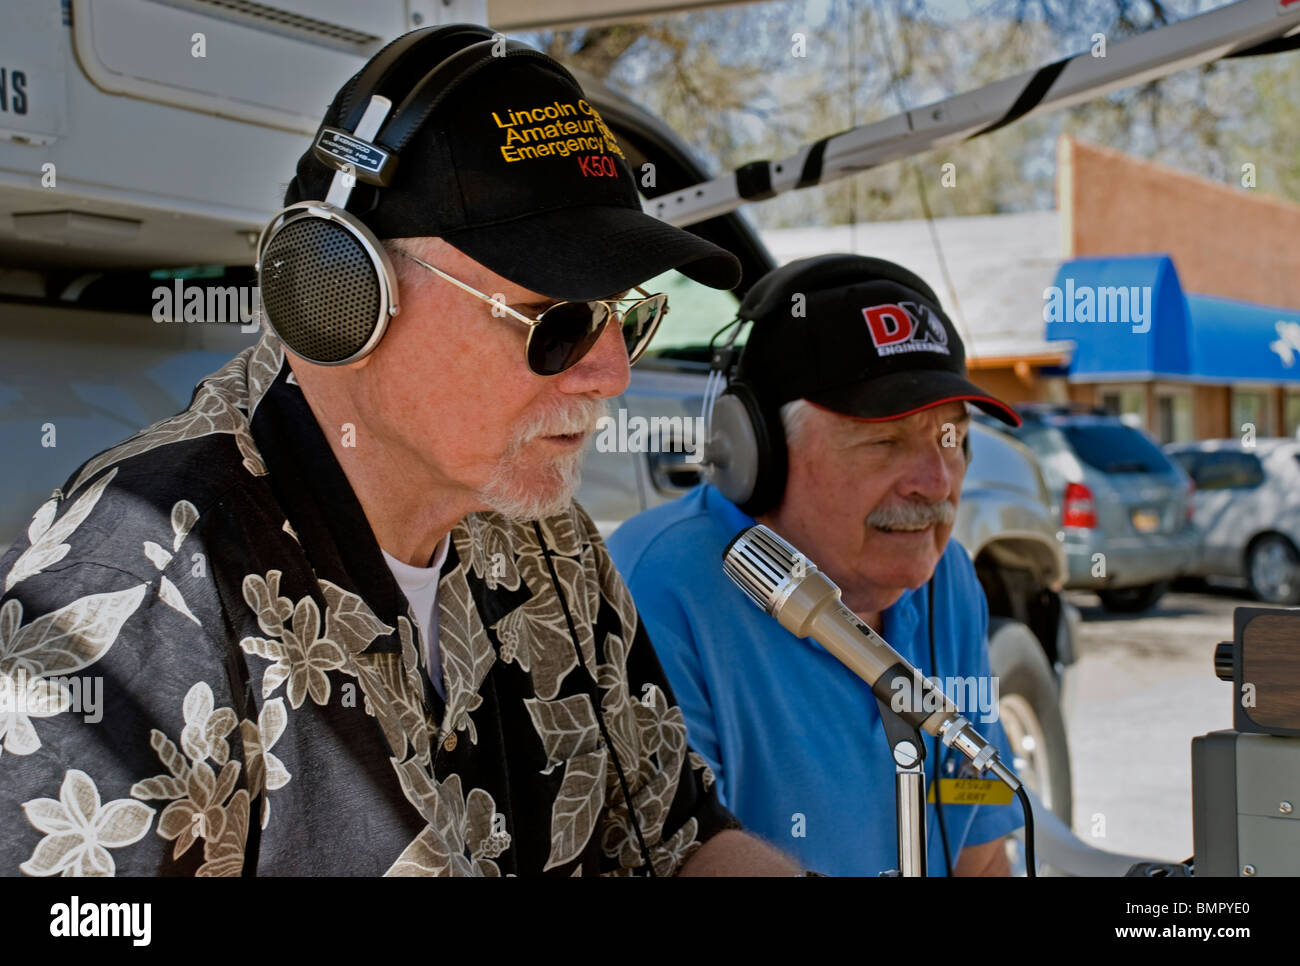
<point>764,566</point>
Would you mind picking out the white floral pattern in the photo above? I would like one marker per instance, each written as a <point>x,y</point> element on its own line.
<point>204,804</point>
<point>47,536</point>
<point>58,643</point>
<point>265,771</point>
<point>79,829</point>
<point>459,839</point>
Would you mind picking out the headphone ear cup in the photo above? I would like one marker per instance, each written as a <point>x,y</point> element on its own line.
<point>773,461</point>
<point>327,286</point>
<point>744,458</point>
<point>731,453</point>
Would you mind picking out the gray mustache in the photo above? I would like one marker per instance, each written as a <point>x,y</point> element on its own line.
<point>913,514</point>
<point>582,418</point>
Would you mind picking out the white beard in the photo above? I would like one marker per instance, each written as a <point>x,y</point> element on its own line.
<point>522,498</point>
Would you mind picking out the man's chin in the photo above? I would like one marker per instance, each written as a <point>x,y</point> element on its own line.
<point>919,549</point>
<point>522,498</point>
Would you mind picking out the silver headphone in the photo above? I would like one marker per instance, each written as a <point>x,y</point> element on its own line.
<point>328,287</point>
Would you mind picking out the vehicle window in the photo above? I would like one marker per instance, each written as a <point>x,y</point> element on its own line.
<point>1190,464</point>
<point>1047,444</point>
<point>1044,440</point>
<point>695,312</point>
<point>1115,449</point>
<point>1228,471</point>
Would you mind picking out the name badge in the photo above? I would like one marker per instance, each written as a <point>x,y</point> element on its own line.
<point>972,791</point>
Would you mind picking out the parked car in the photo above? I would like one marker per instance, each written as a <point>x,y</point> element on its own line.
<point>1124,506</point>
<point>1247,508</point>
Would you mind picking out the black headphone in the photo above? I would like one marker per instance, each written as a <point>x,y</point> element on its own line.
<point>328,287</point>
<point>745,456</point>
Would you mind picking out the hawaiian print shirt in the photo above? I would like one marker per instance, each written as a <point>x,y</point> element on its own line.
<point>206,668</point>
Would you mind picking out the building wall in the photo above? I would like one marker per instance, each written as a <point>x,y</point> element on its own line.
<point>1083,393</point>
<point>1002,382</point>
<point>1225,240</point>
<point>1212,406</point>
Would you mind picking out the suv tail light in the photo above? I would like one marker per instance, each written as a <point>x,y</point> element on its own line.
<point>1078,509</point>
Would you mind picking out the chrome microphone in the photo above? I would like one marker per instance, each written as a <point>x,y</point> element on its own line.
<point>786,584</point>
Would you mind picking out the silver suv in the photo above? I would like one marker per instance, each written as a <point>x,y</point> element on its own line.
<point>1124,507</point>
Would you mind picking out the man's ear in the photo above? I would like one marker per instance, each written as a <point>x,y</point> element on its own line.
<point>965,447</point>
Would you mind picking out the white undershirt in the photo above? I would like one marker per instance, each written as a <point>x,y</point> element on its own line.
<point>420,585</point>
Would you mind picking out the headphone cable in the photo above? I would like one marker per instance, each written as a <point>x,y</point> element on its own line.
<point>596,706</point>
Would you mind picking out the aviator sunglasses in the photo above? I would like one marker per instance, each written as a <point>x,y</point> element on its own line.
<point>565,332</point>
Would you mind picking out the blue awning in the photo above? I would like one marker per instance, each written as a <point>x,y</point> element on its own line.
<point>1129,318</point>
<point>1243,342</point>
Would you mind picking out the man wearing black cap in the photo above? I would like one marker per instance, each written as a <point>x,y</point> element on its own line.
<point>859,378</point>
<point>346,618</point>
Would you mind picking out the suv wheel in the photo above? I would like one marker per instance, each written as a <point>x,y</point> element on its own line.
<point>1131,600</point>
<point>1030,712</point>
<point>1274,570</point>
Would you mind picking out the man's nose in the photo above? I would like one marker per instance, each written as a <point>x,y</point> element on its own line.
<point>603,371</point>
<point>929,475</point>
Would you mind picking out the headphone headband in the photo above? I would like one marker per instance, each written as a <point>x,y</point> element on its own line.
<point>378,73</point>
<point>438,82</point>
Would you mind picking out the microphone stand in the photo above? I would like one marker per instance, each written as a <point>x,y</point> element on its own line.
<point>908,751</point>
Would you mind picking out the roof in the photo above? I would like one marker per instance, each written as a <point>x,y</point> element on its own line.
<point>1004,268</point>
<point>999,266</point>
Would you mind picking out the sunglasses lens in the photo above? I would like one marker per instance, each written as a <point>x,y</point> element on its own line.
<point>564,335</point>
<point>640,322</point>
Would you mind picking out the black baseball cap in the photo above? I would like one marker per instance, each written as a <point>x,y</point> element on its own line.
<point>868,339</point>
<point>516,168</point>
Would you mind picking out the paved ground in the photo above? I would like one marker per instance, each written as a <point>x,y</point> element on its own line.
<point>1142,688</point>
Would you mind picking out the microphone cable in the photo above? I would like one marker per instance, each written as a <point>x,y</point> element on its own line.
<point>1030,861</point>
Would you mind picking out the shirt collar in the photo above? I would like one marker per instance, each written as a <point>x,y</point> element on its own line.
<point>314,493</point>
<point>419,576</point>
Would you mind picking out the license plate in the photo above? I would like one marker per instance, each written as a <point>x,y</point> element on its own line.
<point>1146,521</point>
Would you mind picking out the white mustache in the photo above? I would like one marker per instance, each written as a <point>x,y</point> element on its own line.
<point>579,418</point>
<point>913,514</point>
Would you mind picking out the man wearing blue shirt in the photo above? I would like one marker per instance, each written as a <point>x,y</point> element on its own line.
<point>854,382</point>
